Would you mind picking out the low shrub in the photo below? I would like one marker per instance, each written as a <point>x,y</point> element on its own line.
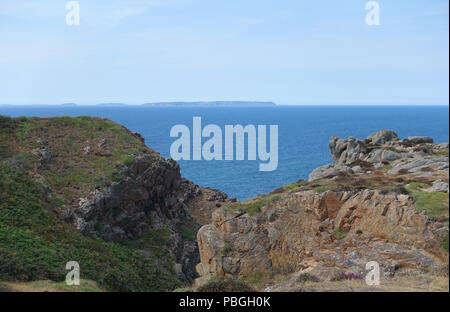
<point>346,276</point>
<point>225,285</point>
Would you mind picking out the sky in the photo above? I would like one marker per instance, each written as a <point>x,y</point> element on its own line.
<point>291,52</point>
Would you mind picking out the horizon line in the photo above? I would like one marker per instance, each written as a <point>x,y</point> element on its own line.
<point>198,103</point>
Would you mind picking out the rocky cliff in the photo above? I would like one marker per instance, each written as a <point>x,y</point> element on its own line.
<point>89,190</point>
<point>102,181</point>
<point>384,199</point>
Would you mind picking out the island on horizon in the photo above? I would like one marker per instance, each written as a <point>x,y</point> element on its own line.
<point>211,104</point>
<point>169,104</point>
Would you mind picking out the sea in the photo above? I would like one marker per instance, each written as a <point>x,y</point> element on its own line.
<point>303,135</point>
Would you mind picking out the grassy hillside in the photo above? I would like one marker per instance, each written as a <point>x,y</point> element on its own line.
<point>34,243</point>
<point>86,152</point>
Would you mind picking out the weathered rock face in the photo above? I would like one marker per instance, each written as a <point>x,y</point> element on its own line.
<point>412,155</point>
<point>151,196</point>
<point>346,151</point>
<point>148,198</point>
<point>382,136</point>
<point>419,165</point>
<point>366,216</point>
<point>298,232</point>
<point>380,156</point>
<point>329,171</point>
<point>420,139</point>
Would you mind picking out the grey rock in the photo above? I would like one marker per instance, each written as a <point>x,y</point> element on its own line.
<point>420,139</point>
<point>44,154</point>
<point>346,151</point>
<point>86,150</point>
<point>329,171</point>
<point>378,166</point>
<point>357,169</point>
<point>382,136</point>
<point>151,195</point>
<point>440,186</point>
<point>442,146</point>
<point>101,143</point>
<point>419,164</point>
<point>442,232</point>
<point>381,155</point>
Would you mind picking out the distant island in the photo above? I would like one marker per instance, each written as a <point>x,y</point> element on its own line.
<point>211,104</point>
<point>112,104</point>
<point>169,104</point>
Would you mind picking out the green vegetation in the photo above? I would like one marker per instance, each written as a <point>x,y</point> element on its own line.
<point>325,188</point>
<point>253,207</point>
<point>47,285</point>
<point>88,152</point>
<point>339,234</point>
<point>36,245</point>
<point>388,188</point>
<point>440,153</point>
<point>387,166</point>
<point>417,185</point>
<point>262,278</point>
<point>372,148</point>
<point>435,204</point>
<point>25,126</point>
<point>155,239</point>
<point>445,244</point>
<point>7,124</point>
<point>225,285</point>
<point>255,278</point>
<point>226,249</point>
<point>188,233</point>
<point>346,276</point>
<point>322,185</point>
<point>307,278</point>
<point>293,185</point>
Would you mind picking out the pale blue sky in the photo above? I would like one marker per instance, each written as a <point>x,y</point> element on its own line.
<point>287,51</point>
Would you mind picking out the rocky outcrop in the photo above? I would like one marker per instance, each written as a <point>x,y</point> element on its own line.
<point>378,227</point>
<point>151,196</point>
<point>382,137</point>
<point>420,139</point>
<point>321,233</point>
<point>414,154</point>
<point>146,199</point>
<point>381,156</point>
<point>329,171</point>
<point>346,151</point>
<point>101,178</point>
<point>439,186</point>
<point>419,164</point>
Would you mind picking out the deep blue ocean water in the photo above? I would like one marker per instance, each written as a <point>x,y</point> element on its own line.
<point>304,132</point>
